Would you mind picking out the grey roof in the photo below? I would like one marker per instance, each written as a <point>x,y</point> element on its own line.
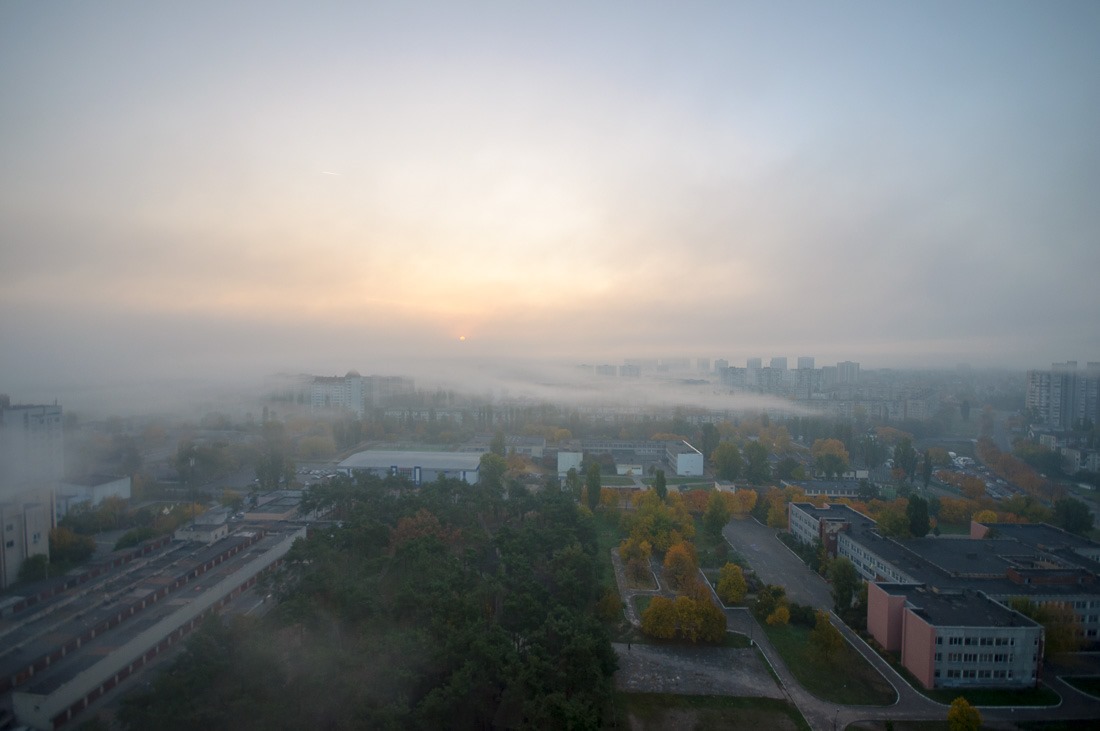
<point>957,609</point>
<point>955,564</point>
<point>405,460</point>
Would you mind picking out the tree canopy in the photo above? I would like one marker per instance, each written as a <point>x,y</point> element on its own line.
<point>473,614</point>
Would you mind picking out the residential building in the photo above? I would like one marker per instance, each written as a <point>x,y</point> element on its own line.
<point>847,373</point>
<point>32,459</point>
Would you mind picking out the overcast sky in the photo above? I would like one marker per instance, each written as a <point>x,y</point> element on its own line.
<point>207,187</point>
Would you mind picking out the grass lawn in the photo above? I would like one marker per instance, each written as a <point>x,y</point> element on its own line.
<point>1043,696</point>
<point>1090,685</point>
<point>659,711</point>
<point>846,679</point>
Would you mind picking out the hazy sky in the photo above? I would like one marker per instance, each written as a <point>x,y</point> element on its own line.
<point>202,187</point>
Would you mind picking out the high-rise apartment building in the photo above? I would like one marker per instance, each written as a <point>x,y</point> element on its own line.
<point>1064,396</point>
<point>805,363</point>
<point>32,462</point>
<point>847,373</point>
<point>779,363</point>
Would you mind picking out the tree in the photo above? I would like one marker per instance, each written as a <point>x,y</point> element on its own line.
<point>757,469</point>
<point>917,513</point>
<point>496,445</point>
<point>69,547</point>
<point>825,638</point>
<point>779,617</point>
<point>768,598</point>
<point>573,483</point>
<point>1061,629</point>
<point>680,566</point>
<point>972,488</point>
<point>592,485</point>
<point>731,584</point>
<point>709,438</point>
<point>717,514</point>
<point>727,461</point>
<point>789,468</point>
<point>926,469</point>
<point>845,580</point>
<point>491,473</point>
<point>659,618</point>
<point>660,485</point>
<point>1072,515</point>
<point>905,457</point>
<point>830,457</point>
<point>893,522</point>
<point>962,716</point>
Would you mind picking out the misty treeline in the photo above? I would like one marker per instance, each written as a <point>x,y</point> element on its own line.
<point>446,606</point>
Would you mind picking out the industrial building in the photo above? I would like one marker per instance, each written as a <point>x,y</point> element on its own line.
<point>73,639</point>
<point>416,467</point>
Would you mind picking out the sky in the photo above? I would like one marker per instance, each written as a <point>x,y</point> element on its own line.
<point>203,188</point>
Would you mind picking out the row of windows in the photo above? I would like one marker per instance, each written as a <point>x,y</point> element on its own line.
<point>982,641</point>
<point>975,657</point>
<point>998,674</point>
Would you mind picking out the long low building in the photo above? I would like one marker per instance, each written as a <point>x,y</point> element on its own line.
<point>112,642</point>
<point>417,467</point>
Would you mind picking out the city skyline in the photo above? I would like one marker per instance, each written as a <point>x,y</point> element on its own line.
<point>199,191</point>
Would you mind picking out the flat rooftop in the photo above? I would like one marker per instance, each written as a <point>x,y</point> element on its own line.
<point>957,609</point>
<point>379,460</point>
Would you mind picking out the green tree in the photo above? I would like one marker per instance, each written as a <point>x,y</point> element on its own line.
<point>592,485</point>
<point>731,584</point>
<point>905,458</point>
<point>825,638</point>
<point>845,581</point>
<point>757,469</point>
<point>926,469</point>
<point>768,599</point>
<point>496,446</point>
<point>35,568</point>
<point>491,473</point>
<point>717,514</point>
<point>660,485</point>
<point>789,468</point>
<point>1073,515</point>
<point>727,461</point>
<point>708,439</point>
<point>573,483</point>
<point>962,716</point>
<point>917,513</point>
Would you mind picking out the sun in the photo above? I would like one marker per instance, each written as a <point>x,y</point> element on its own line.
<point>461,338</point>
